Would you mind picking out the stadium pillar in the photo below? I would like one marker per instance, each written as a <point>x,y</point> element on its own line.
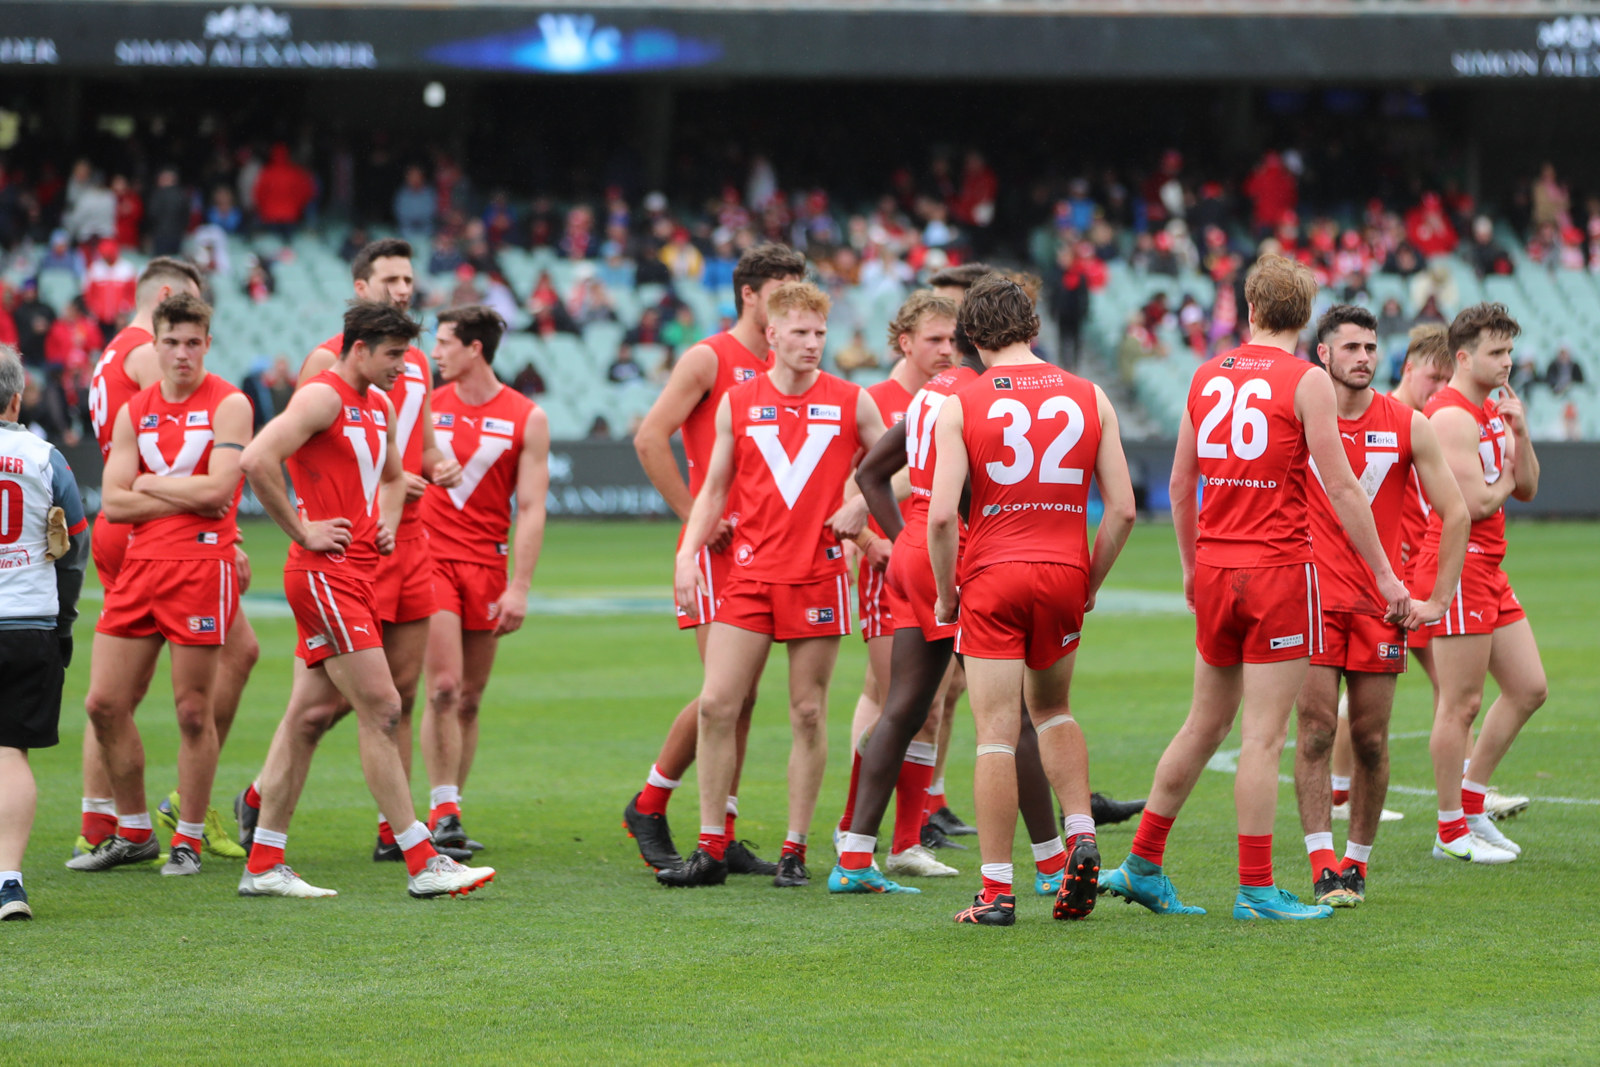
<point>655,130</point>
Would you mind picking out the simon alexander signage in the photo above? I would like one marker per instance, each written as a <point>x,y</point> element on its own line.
<point>245,36</point>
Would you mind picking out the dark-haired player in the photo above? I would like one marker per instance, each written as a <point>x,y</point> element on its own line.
<point>1484,630</point>
<point>1256,418</point>
<point>337,436</point>
<point>502,441</point>
<point>688,404</point>
<point>1389,447</point>
<point>1030,436</point>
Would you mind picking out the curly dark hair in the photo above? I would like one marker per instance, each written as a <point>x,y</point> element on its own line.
<point>369,321</point>
<point>998,312</point>
<point>1479,319</point>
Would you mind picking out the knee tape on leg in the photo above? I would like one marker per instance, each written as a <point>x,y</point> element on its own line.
<point>996,750</point>
<point>1052,723</point>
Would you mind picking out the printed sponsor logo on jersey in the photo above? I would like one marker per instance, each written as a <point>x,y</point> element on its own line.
<point>1033,505</point>
<point>504,427</point>
<point>202,624</point>
<point>763,414</point>
<point>1387,650</point>
<point>1496,426</point>
<point>833,552</point>
<point>414,370</point>
<point>445,420</point>
<point>818,616</point>
<point>1002,383</point>
<point>315,641</point>
<point>380,417</point>
<point>743,555</point>
<point>823,411</point>
<point>1292,641</point>
<point>501,549</point>
<point>1240,483</point>
<point>12,558</point>
<point>198,418</point>
<point>352,414</point>
<point>991,509</point>
<point>1382,439</point>
<point>150,422</point>
<point>743,374</point>
<point>209,537</point>
<point>899,417</point>
<point>1227,362</point>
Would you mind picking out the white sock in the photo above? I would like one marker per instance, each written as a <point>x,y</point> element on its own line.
<point>10,876</point>
<point>1319,842</point>
<point>99,806</point>
<point>192,830</point>
<point>140,821</point>
<point>712,831</point>
<point>414,835</point>
<point>997,872</point>
<point>1464,765</point>
<point>1359,853</point>
<point>1340,782</point>
<point>271,838</point>
<point>445,794</point>
<point>937,788</point>
<point>1078,825</point>
<point>857,843</point>
<point>1473,787</point>
<point>1452,816</point>
<point>794,837</point>
<point>733,806</point>
<point>925,753</point>
<point>1044,850</point>
<point>661,781</point>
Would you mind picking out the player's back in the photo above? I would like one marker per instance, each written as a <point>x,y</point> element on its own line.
<point>336,475</point>
<point>176,440</point>
<point>1378,447</point>
<point>1488,535</point>
<point>792,455</point>
<point>1032,433</point>
<point>922,451</point>
<point>407,396</point>
<point>110,384</point>
<point>736,365</point>
<point>470,522</point>
<point>1252,455</point>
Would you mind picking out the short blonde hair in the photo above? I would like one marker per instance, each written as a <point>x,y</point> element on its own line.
<point>797,296</point>
<point>1281,291</point>
<point>922,304</point>
<point>1430,344</point>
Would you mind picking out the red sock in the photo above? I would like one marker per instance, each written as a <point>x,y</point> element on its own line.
<point>418,855</point>
<point>992,889</point>
<point>1150,839</point>
<point>653,800</point>
<point>263,858</point>
<point>1453,830</point>
<point>98,827</point>
<point>715,845</point>
<point>1320,859</point>
<point>1054,864</point>
<point>179,839</point>
<point>795,848</point>
<point>935,800</point>
<point>850,797</point>
<point>855,861</point>
<point>727,826</point>
<point>1255,859</point>
<point>1346,863</point>
<point>138,837</point>
<point>385,832</point>
<point>252,797</point>
<point>1072,841</point>
<point>449,807</point>
<point>1471,801</point>
<point>910,804</point>
<point>1340,796</point>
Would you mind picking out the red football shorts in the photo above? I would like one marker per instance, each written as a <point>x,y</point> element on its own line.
<point>912,591</point>
<point>1257,615</point>
<point>471,591</point>
<point>715,567</point>
<point>876,607</point>
<point>1027,611</point>
<point>186,601</point>
<point>787,612</point>
<point>1363,643</point>
<point>1483,602</point>
<point>108,544</point>
<point>404,582</point>
<point>334,614</point>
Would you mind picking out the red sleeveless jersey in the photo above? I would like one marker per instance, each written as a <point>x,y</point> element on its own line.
<point>1487,536</point>
<point>110,386</point>
<point>1253,458</point>
<point>336,475</point>
<point>791,456</point>
<point>470,523</point>
<point>736,365</point>
<point>406,395</point>
<point>892,400</point>
<point>1414,518</point>
<point>1032,433</point>
<point>1378,446</point>
<point>175,441</point>
<point>922,450</point>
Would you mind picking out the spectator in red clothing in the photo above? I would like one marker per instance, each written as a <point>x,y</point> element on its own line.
<point>979,188</point>
<point>1429,228</point>
<point>130,212</point>
<point>1272,190</point>
<point>282,192</point>
<point>108,285</point>
<point>8,324</point>
<point>70,347</point>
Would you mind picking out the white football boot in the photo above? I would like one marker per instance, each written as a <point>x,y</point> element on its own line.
<point>1484,827</point>
<point>280,881</point>
<point>918,862</point>
<point>444,875</point>
<point>1471,849</point>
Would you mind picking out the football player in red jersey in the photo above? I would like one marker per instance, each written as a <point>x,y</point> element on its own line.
<point>787,441</point>
<point>502,441</point>
<point>128,365</point>
<point>337,435</point>
<point>1484,629</point>
<point>1256,416</point>
<point>1030,435</point>
<point>381,272</point>
<point>173,477</point>
<point>700,378</point>
<point>1391,448</point>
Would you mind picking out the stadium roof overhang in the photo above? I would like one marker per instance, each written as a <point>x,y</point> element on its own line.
<point>1433,41</point>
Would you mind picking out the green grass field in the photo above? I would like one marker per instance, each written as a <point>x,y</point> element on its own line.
<point>574,955</point>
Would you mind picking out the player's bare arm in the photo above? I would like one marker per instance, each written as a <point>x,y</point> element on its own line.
<point>393,486</point>
<point>875,478</point>
<point>311,410</point>
<point>319,360</point>
<point>1440,485</point>
<point>944,510</point>
<point>120,501</point>
<point>1317,410</point>
<point>851,518</point>
<point>1185,514</point>
<point>211,493</point>
<point>1524,463</point>
<point>533,482</point>
<point>1457,434</point>
<point>141,365</point>
<point>693,376</point>
<point>1116,491</point>
<point>706,513</point>
<point>438,467</point>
